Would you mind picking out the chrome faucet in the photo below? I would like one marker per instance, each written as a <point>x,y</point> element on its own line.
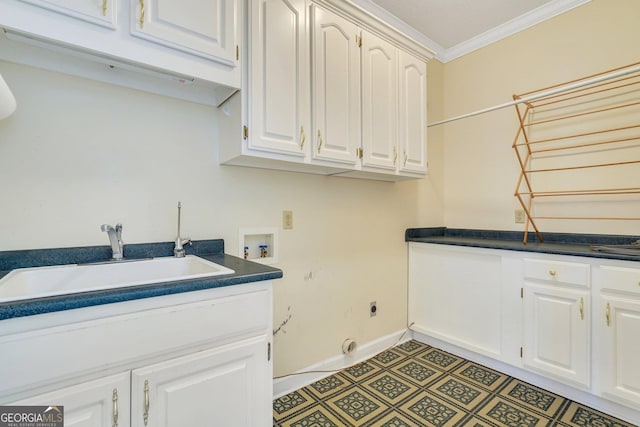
<point>178,249</point>
<point>115,239</point>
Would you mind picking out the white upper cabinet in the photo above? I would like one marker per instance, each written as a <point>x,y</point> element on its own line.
<point>336,87</point>
<point>321,94</point>
<point>202,28</point>
<point>412,105</point>
<point>187,49</point>
<point>279,106</point>
<point>99,12</point>
<point>379,103</point>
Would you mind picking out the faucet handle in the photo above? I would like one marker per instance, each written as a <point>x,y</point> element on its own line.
<point>115,240</point>
<point>178,249</point>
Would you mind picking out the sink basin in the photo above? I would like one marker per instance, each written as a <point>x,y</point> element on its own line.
<point>25,283</point>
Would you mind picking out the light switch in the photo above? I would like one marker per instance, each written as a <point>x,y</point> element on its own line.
<point>287,220</point>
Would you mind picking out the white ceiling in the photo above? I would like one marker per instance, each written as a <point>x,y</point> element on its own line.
<point>452,28</point>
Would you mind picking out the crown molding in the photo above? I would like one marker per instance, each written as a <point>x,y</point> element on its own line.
<point>379,18</point>
<point>522,22</point>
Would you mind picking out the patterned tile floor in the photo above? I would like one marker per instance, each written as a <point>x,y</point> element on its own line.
<point>414,384</point>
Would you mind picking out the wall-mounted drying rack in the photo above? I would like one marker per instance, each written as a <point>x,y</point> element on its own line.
<point>578,147</point>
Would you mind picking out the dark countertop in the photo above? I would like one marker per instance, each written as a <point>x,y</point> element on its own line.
<point>212,250</point>
<point>554,243</point>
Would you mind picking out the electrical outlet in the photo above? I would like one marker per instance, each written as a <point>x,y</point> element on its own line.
<point>287,220</point>
<point>373,309</point>
<point>519,216</point>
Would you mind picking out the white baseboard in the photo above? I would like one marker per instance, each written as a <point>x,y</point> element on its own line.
<point>580,396</point>
<point>306,376</point>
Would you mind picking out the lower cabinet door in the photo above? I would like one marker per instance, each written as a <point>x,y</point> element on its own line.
<point>224,386</point>
<point>620,347</point>
<point>557,332</point>
<point>99,403</point>
<point>455,295</point>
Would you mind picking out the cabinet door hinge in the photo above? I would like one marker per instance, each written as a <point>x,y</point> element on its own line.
<point>359,40</point>
<point>359,153</point>
<point>268,352</point>
<point>237,52</point>
<point>245,132</point>
<point>521,352</point>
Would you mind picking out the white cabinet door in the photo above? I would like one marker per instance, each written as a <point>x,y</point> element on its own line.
<point>202,28</point>
<point>379,103</point>
<point>412,105</point>
<point>279,80</point>
<point>620,345</point>
<point>455,295</point>
<point>336,87</point>
<point>225,386</point>
<point>557,332</point>
<point>99,403</point>
<point>99,12</point>
<point>617,331</point>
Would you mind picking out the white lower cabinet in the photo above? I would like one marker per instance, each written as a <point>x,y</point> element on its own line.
<point>575,320</point>
<point>620,342</point>
<point>617,326</point>
<point>455,295</point>
<point>103,402</point>
<point>213,387</point>
<point>557,332</point>
<point>557,320</point>
<point>194,359</point>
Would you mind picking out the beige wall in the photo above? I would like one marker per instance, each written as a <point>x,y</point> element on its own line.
<point>480,167</point>
<point>78,153</point>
